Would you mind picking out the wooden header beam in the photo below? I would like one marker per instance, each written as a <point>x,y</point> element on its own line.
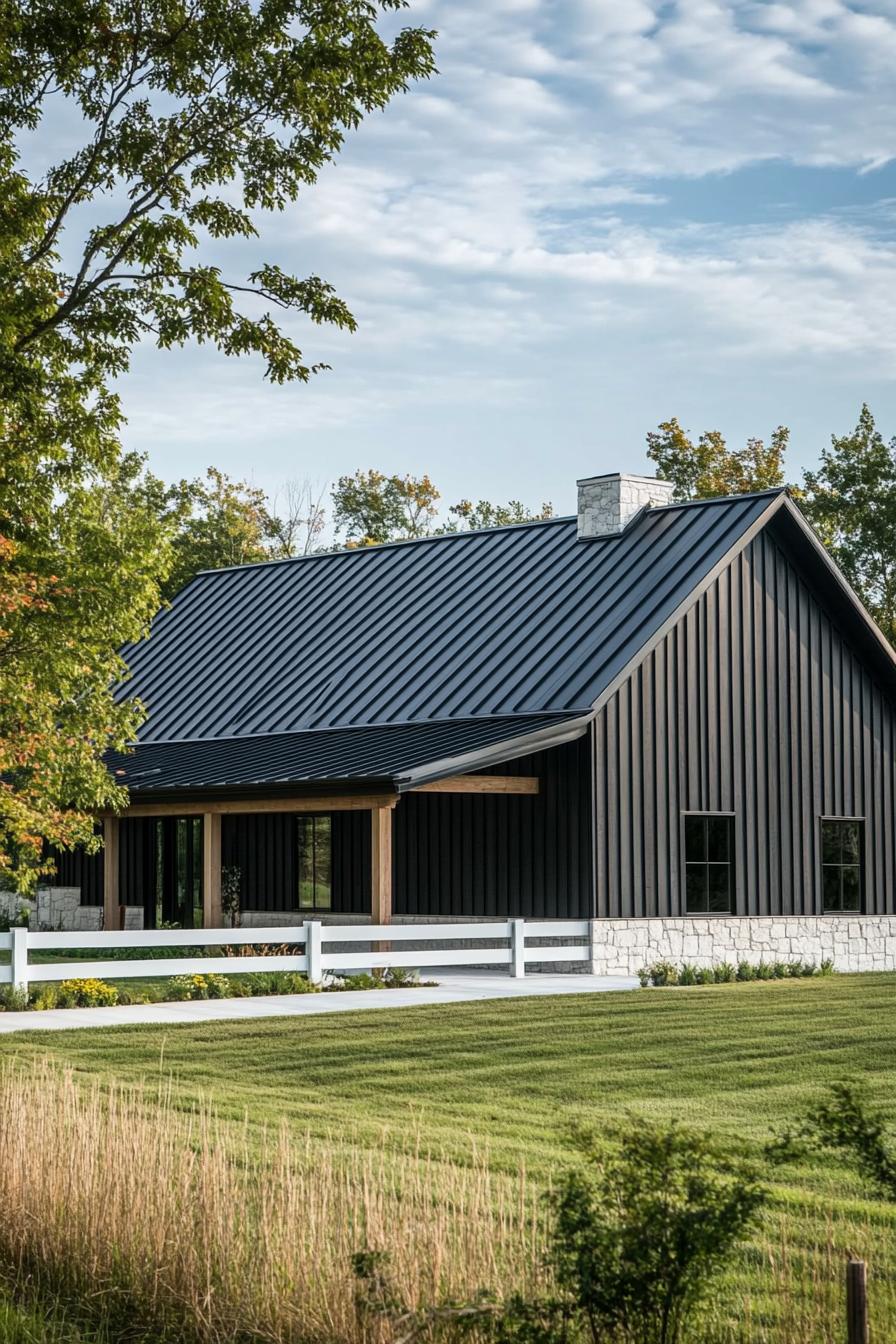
<point>481,784</point>
<point>230,807</point>
<point>506,784</point>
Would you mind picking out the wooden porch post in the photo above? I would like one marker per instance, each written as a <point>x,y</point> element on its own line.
<point>381,864</point>
<point>212,917</point>
<point>111,897</point>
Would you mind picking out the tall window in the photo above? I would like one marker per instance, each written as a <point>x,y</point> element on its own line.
<point>315,863</point>
<point>841,864</point>
<point>709,864</point>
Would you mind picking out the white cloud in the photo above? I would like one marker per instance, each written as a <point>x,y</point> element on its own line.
<point>521,220</point>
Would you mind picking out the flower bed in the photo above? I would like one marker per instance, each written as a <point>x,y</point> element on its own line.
<point>662,974</point>
<point>90,993</point>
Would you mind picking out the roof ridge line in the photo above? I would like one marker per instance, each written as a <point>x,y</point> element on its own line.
<point>391,545</point>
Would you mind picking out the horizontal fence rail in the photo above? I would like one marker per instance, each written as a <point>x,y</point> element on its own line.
<point>497,943</point>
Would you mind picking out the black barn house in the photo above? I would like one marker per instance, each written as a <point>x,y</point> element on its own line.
<point>675,714</point>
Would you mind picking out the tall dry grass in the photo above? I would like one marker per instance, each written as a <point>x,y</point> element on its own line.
<point>156,1224</point>
<point>112,1198</point>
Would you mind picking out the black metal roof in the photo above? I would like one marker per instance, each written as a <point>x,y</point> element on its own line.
<point>394,756</point>
<point>520,620</point>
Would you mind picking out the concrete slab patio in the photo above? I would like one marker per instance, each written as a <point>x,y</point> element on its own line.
<point>451,987</point>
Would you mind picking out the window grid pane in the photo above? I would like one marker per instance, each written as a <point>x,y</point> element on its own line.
<point>709,863</point>
<point>842,875</point>
<point>315,891</point>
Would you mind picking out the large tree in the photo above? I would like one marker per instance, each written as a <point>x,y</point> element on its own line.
<point>851,500</point>
<point>707,468</point>
<point>186,122</point>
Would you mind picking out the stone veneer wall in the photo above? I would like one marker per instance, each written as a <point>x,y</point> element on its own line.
<point>852,942</point>
<point>54,908</point>
<point>60,908</point>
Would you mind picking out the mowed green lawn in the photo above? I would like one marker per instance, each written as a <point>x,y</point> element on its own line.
<point>508,1077</point>
<point>737,1059</point>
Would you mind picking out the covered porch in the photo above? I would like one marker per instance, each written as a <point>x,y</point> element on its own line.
<point>473,820</point>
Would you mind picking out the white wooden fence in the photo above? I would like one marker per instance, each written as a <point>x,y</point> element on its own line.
<point>502,943</point>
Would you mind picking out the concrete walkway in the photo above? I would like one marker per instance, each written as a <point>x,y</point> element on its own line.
<point>452,987</point>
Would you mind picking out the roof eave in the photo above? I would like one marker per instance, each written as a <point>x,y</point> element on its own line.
<point>541,740</point>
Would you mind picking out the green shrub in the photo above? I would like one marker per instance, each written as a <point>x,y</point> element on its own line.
<point>401,977</point>
<point>640,1235</point>
<point>13,999</point>
<point>663,973</point>
<point>279,982</point>
<point>86,994</point>
<point>357,980</point>
<point>199,987</point>
<point>19,920</point>
<point>843,1124</point>
<point>128,994</point>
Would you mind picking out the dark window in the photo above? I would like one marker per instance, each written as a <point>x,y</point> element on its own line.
<point>315,885</point>
<point>842,875</point>
<point>709,864</point>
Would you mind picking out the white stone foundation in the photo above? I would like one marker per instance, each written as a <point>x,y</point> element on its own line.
<point>852,942</point>
<point>54,908</point>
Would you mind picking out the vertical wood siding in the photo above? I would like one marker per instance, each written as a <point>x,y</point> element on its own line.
<point>752,704</point>
<point>498,855</point>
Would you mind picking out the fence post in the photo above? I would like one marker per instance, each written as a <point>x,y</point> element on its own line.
<point>20,957</point>
<point>518,947</point>
<point>314,950</point>
<point>856,1302</point>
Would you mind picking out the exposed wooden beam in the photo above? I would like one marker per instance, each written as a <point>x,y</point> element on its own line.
<point>230,807</point>
<point>481,784</point>
<point>111,898</point>
<point>381,866</point>
<point>211,871</point>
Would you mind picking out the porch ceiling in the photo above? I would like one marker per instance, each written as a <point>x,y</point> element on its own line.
<point>393,757</point>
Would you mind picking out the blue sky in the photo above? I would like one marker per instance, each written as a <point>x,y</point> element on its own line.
<point>599,214</point>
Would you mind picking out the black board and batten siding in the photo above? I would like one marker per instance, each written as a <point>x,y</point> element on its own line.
<point>454,854</point>
<point>496,855</point>
<point>753,704</point>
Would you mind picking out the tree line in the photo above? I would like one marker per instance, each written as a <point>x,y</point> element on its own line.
<point>214,521</point>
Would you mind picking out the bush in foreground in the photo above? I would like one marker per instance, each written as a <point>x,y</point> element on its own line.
<point>639,1234</point>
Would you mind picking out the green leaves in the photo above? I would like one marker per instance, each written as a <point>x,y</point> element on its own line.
<point>709,469</point>
<point>192,120</point>
<point>851,501</point>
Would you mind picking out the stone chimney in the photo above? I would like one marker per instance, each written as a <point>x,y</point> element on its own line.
<point>607,504</point>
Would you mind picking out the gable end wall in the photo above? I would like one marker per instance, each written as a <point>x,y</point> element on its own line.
<point>753,704</point>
